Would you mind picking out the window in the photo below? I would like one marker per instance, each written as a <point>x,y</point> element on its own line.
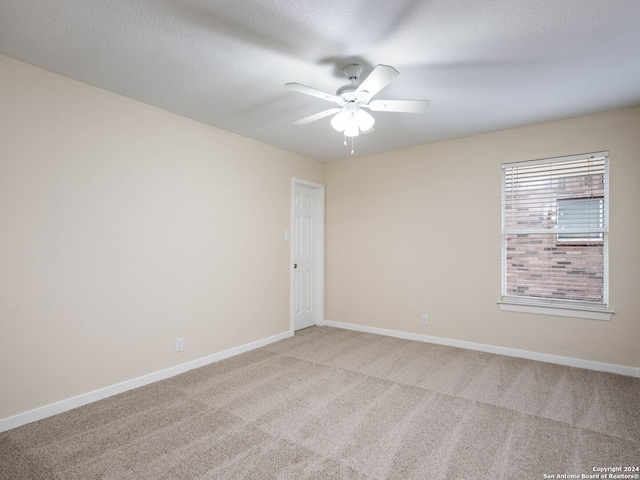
<point>555,236</point>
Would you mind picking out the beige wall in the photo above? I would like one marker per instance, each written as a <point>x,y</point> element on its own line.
<point>418,230</point>
<point>123,227</point>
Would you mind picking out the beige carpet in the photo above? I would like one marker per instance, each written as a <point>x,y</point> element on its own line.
<point>331,403</point>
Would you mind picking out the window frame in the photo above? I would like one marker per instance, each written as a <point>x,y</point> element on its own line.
<point>558,306</point>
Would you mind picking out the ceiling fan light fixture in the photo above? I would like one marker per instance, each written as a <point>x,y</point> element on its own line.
<point>351,129</point>
<point>352,122</point>
<point>365,120</point>
<point>339,121</point>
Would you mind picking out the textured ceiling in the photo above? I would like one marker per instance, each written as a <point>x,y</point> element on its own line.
<point>484,65</point>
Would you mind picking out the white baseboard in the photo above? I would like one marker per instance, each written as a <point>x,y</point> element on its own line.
<point>102,393</point>
<point>511,352</point>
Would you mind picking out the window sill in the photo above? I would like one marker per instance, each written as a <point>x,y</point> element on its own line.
<point>556,310</point>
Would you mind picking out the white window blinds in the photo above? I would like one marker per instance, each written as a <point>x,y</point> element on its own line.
<point>555,231</point>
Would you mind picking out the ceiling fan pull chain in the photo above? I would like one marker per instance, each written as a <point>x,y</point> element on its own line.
<point>345,140</point>
<point>351,145</point>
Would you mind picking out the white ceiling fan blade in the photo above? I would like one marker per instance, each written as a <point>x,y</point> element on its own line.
<point>298,87</point>
<point>317,116</point>
<point>404,106</point>
<point>379,78</point>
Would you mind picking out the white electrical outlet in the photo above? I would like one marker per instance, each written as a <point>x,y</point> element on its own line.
<point>179,344</point>
<point>424,319</point>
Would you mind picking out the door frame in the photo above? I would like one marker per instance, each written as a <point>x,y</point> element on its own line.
<point>318,267</point>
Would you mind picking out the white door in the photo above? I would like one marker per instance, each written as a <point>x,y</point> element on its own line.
<point>306,254</point>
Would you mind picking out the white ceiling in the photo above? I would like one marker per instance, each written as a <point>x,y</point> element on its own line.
<point>485,65</point>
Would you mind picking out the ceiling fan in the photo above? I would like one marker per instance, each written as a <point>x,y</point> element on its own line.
<point>350,116</point>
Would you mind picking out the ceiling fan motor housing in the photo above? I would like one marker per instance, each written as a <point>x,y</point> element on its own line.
<point>347,92</point>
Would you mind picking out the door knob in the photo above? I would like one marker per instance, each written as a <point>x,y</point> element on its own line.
<point>295,265</point>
